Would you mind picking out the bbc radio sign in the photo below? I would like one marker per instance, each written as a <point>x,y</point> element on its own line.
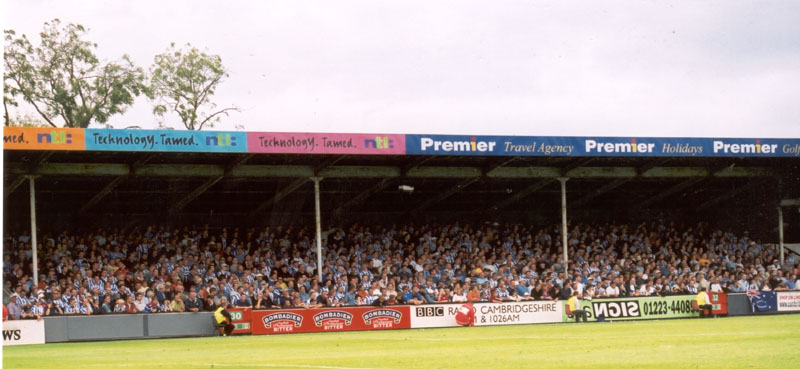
<point>434,316</point>
<point>487,313</point>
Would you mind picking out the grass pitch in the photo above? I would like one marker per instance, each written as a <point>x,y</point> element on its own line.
<point>743,342</point>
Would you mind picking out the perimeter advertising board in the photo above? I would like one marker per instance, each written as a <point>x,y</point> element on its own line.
<point>241,318</point>
<point>330,320</point>
<point>636,308</point>
<point>719,303</point>
<point>23,332</point>
<point>434,315</point>
<point>789,301</point>
<point>526,312</point>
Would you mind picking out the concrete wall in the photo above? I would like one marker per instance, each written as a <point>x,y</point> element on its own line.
<point>127,326</point>
<point>186,324</point>
<point>139,326</point>
<point>738,304</point>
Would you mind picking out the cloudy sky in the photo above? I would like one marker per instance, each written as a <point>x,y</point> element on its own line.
<point>611,68</point>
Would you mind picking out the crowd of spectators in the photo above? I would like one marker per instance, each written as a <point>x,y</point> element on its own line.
<point>188,269</point>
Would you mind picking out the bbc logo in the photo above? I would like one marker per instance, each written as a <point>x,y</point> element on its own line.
<point>429,311</point>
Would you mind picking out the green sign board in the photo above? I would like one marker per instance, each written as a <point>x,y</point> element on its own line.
<point>635,308</point>
<point>241,326</point>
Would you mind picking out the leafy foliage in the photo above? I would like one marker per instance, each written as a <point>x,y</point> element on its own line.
<point>182,81</point>
<point>63,79</point>
<point>25,120</point>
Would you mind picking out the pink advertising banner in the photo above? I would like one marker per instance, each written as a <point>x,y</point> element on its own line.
<point>326,143</point>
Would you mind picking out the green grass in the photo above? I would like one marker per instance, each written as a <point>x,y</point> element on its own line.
<point>744,342</point>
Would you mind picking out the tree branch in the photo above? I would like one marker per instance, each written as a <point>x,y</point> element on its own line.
<point>27,97</point>
<point>225,111</point>
<point>5,106</point>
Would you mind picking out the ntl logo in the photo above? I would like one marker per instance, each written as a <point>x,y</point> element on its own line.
<point>617,147</point>
<point>221,139</point>
<point>54,137</point>
<point>457,146</point>
<point>379,143</point>
<point>756,148</point>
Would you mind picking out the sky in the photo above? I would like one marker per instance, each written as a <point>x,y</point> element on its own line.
<point>535,68</point>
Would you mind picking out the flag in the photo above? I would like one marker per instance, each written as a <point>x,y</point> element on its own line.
<point>762,301</point>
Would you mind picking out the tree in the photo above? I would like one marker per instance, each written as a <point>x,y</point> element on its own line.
<point>8,99</point>
<point>25,120</point>
<point>63,79</point>
<point>183,81</point>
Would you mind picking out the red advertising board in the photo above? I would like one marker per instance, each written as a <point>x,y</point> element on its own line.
<point>241,318</point>
<point>719,301</point>
<point>330,320</point>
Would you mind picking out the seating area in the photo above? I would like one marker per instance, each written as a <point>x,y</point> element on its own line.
<point>160,269</point>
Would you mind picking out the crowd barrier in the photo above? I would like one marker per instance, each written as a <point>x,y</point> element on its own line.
<point>126,326</point>
<point>248,321</point>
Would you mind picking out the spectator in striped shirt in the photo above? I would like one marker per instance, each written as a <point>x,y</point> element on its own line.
<point>36,311</point>
<point>53,309</point>
<point>74,308</point>
<point>119,306</point>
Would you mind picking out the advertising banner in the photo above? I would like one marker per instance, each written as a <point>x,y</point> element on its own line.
<point>789,301</point>
<point>526,312</point>
<point>41,138</point>
<point>34,138</point>
<point>487,313</point>
<point>23,332</point>
<point>330,319</point>
<point>599,146</point>
<point>326,143</point>
<point>634,308</point>
<point>241,318</point>
<point>165,140</point>
<point>719,301</point>
<point>434,316</point>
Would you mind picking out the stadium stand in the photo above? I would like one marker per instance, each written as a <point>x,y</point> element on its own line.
<point>161,269</point>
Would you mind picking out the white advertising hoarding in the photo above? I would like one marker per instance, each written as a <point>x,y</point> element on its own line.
<point>486,313</point>
<point>789,301</point>
<point>434,315</point>
<point>23,332</point>
<point>527,312</point>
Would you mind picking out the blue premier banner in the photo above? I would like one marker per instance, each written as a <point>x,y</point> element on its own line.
<point>599,146</point>
<point>165,140</point>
